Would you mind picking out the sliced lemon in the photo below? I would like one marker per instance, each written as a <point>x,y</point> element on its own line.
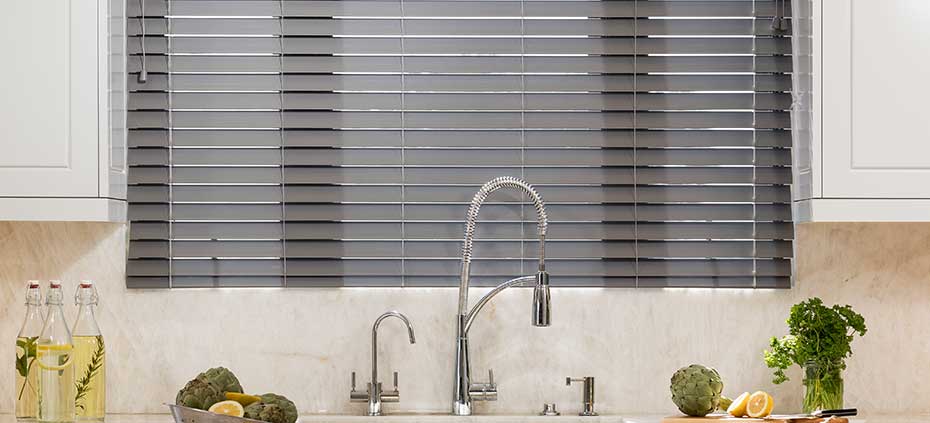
<point>244,399</point>
<point>760,405</point>
<point>57,352</point>
<point>228,407</point>
<point>738,407</point>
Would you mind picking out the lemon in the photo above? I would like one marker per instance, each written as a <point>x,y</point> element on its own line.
<point>228,407</point>
<point>760,405</point>
<point>244,399</point>
<point>738,407</point>
<point>57,353</point>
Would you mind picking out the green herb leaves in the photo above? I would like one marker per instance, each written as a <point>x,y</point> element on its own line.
<point>93,368</point>
<point>817,334</point>
<point>25,360</point>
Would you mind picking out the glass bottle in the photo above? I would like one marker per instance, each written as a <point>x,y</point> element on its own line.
<point>26,382</point>
<point>823,386</point>
<point>89,357</point>
<point>55,357</point>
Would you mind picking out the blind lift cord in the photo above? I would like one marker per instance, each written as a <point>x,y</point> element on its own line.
<point>143,74</point>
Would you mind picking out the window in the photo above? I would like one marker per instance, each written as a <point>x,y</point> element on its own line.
<point>308,143</point>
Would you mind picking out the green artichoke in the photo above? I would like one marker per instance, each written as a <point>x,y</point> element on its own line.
<point>271,413</point>
<point>696,390</point>
<point>208,388</point>
<point>222,378</point>
<point>199,394</point>
<point>287,406</point>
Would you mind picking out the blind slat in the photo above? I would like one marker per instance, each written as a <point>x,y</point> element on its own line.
<point>492,8</point>
<point>458,64</point>
<point>451,27</point>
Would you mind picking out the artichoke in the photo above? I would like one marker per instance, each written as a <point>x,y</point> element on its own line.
<point>696,390</point>
<point>271,413</point>
<point>290,409</point>
<point>208,388</point>
<point>283,405</point>
<point>199,394</point>
<point>222,378</point>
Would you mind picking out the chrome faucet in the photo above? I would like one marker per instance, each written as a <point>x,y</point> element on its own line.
<point>465,391</point>
<point>375,395</point>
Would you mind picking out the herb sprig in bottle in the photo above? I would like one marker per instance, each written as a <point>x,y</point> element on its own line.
<point>89,357</point>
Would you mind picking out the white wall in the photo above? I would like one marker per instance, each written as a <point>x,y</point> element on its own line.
<point>304,343</point>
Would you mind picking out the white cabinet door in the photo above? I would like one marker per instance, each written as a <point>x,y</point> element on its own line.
<point>48,98</point>
<point>876,87</point>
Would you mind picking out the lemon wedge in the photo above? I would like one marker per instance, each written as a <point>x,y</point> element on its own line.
<point>244,399</point>
<point>760,405</point>
<point>738,407</point>
<point>228,407</point>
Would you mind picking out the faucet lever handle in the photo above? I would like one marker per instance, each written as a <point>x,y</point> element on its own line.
<point>395,381</point>
<point>356,396</point>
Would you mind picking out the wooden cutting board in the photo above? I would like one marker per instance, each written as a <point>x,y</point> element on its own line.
<point>728,419</point>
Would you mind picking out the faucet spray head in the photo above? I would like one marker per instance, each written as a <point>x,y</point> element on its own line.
<point>542,312</point>
<point>413,338</point>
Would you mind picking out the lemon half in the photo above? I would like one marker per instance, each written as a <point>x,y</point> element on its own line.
<point>738,407</point>
<point>760,405</point>
<point>228,407</point>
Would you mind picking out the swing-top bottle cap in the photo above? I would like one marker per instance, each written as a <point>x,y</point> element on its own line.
<point>86,293</point>
<point>33,293</point>
<point>54,295</point>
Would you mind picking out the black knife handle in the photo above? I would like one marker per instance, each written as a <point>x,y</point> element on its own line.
<point>843,412</point>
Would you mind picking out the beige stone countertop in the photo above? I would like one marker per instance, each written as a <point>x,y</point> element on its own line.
<point>391,418</point>
<point>654,418</point>
<point>440,418</point>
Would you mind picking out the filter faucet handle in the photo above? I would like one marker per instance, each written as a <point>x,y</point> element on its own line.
<point>357,396</point>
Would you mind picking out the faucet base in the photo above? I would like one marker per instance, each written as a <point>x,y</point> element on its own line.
<point>461,409</point>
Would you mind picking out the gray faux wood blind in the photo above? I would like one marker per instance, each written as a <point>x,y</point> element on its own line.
<point>307,143</point>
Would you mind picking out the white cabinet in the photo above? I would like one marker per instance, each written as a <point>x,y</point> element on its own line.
<point>865,155</point>
<point>62,110</point>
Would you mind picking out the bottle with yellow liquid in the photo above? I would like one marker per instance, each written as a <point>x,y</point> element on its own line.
<point>55,360</point>
<point>26,386</point>
<point>89,357</point>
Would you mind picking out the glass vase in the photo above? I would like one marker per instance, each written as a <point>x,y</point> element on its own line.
<point>823,386</point>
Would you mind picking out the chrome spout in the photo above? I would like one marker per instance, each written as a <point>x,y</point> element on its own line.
<point>375,395</point>
<point>464,390</point>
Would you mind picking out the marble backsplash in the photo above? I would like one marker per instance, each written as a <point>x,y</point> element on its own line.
<point>305,342</point>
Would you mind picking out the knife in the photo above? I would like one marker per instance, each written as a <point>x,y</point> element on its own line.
<point>843,412</point>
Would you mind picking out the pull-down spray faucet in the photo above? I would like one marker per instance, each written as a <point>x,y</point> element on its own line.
<point>465,391</point>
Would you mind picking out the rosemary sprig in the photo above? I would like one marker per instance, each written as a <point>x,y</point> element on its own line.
<point>83,384</point>
<point>24,362</point>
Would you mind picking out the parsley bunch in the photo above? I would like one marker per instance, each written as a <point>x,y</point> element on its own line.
<point>818,334</point>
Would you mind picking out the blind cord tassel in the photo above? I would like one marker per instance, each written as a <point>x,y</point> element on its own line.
<point>779,23</point>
